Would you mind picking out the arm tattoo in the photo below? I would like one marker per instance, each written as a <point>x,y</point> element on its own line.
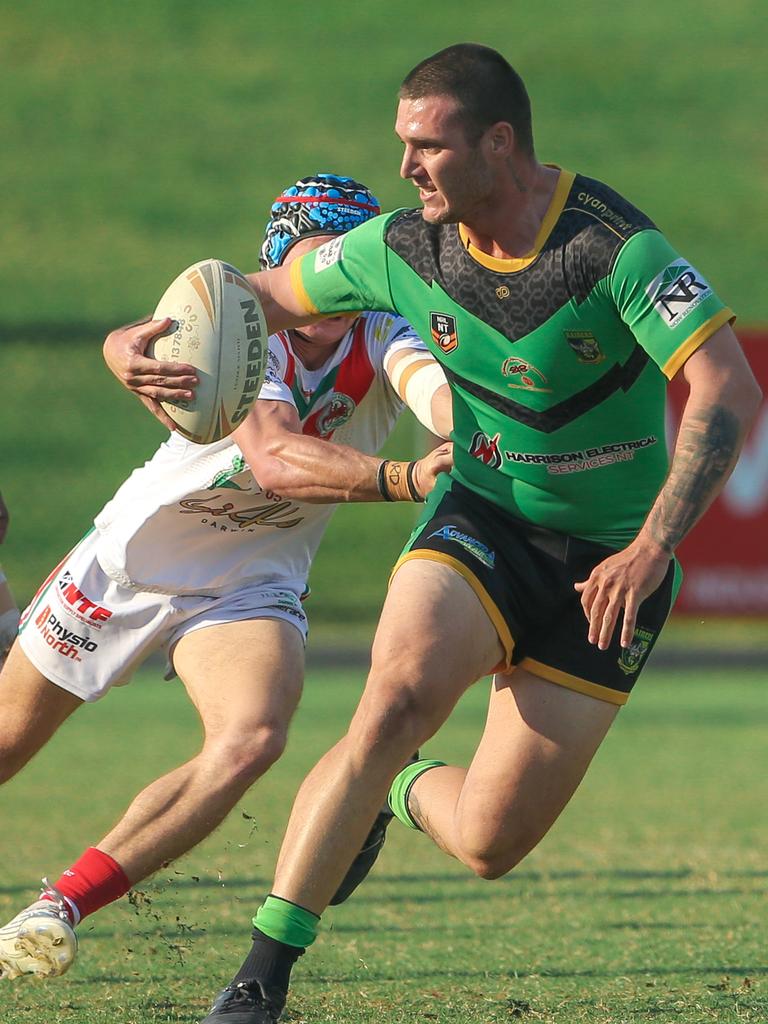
<point>707,448</point>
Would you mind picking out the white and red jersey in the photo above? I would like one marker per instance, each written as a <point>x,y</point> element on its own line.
<point>194,520</point>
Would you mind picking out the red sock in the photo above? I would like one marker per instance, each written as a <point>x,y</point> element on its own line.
<point>92,882</point>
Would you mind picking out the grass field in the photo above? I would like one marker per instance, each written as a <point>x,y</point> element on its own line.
<point>647,902</point>
<point>139,139</point>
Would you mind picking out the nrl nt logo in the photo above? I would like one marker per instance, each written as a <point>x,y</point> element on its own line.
<point>444,333</point>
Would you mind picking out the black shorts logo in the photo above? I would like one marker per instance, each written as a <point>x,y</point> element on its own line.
<point>631,658</point>
<point>444,333</point>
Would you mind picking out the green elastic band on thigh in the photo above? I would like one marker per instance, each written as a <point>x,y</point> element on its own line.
<point>287,922</point>
<point>401,787</point>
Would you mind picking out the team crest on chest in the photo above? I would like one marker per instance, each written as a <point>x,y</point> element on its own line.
<point>585,345</point>
<point>524,375</point>
<point>444,334</point>
<point>335,413</point>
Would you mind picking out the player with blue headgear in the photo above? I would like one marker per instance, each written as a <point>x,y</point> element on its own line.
<point>321,204</point>
<point>224,603</point>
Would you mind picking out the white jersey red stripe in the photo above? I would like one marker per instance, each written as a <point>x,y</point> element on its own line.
<point>194,520</point>
<point>355,376</point>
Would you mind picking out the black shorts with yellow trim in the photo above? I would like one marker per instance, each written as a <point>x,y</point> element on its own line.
<point>524,576</point>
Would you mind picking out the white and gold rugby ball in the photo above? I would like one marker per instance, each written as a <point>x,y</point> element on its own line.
<point>219,327</point>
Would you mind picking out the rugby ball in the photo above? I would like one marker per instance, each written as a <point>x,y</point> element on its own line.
<point>218,326</point>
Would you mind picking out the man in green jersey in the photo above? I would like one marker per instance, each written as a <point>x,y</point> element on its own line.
<point>558,312</point>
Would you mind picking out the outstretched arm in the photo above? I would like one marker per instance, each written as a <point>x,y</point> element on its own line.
<point>723,402</point>
<point>295,465</point>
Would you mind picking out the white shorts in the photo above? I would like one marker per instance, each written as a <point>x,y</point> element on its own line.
<point>87,633</point>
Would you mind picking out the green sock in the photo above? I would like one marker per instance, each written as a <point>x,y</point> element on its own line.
<point>401,787</point>
<point>286,922</point>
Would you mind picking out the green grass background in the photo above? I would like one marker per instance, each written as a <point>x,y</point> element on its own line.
<point>138,138</point>
<point>646,903</point>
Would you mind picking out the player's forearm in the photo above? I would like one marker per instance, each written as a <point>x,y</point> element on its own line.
<point>308,469</point>
<point>315,471</point>
<point>708,445</point>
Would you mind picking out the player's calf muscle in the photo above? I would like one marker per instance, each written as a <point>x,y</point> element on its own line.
<point>31,710</point>
<point>495,858</point>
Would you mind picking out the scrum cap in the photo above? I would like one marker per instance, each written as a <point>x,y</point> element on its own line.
<point>323,204</point>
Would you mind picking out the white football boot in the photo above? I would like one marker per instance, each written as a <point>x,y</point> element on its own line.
<point>40,940</point>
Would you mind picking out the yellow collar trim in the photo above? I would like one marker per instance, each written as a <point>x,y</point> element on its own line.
<point>509,266</point>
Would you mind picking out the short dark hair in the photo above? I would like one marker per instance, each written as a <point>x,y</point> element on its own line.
<point>486,87</point>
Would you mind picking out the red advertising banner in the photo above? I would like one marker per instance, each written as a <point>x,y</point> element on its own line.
<point>725,557</point>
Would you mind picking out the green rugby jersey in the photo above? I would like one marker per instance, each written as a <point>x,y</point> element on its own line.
<point>557,361</point>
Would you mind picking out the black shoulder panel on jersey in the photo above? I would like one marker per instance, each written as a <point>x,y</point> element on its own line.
<point>593,226</point>
<point>605,221</point>
<point>548,420</point>
<point>605,205</point>
<point>417,242</point>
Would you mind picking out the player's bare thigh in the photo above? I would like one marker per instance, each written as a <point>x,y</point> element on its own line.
<point>538,742</point>
<point>31,710</point>
<point>434,639</point>
<point>242,675</point>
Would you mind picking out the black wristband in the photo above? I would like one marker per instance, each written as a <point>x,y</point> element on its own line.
<point>381,482</point>
<point>411,484</point>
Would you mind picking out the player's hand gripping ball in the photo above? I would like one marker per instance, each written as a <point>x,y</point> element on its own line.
<point>219,328</point>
